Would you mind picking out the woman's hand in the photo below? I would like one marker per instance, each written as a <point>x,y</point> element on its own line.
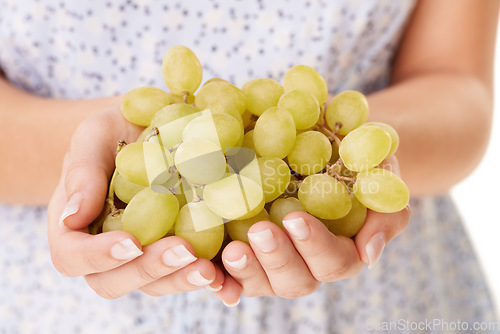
<point>292,264</point>
<point>113,263</point>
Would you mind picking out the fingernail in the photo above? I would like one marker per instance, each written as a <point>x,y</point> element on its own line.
<point>178,256</point>
<point>125,250</point>
<point>298,228</point>
<point>264,240</point>
<point>195,278</point>
<point>71,207</point>
<point>231,305</point>
<point>238,264</point>
<point>209,288</point>
<point>374,248</point>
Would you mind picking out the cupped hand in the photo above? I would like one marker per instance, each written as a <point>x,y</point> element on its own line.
<point>113,263</point>
<point>294,263</point>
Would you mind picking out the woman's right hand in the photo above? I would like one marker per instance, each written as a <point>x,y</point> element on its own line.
<point>114,263</point>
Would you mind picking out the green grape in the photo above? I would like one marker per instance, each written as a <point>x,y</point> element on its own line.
<point>130,164</point>
<point>307,79</point>
<point>274,133</point>
<point>171,132</point>
<point>200,161</point>
<point>141,104</point>
<point>228,96</point>
<point>171,113</point>
<point>350,108</point>
<point>144,134</point>
<point>113,221</point>
<point>262,94</point>
<point>180,99</point>
<point>238,229</point>
<point>283,206</point>
<point>206,240</point>
<point>157,162</point>
<point>234,197</point>
<point>391,131</point>
<point>365,148</point>
<point>350,224</point>
<point>124,189</point>
<point>248,118</point>
<point>220,108</point>
<point>248,141</point>
<point>381,190</point>
<point>215,80</point>
<point>324,197</point>
<point>222,129</point>
<point>303,106</point>
<point>150,215</point>
<point>181,70</point>
<point>311,153</point>
<point>272,174</point>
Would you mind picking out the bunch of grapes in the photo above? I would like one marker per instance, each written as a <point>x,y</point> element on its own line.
<point>207,167</point>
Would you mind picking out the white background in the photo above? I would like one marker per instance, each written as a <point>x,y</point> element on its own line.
<point>478,200</point>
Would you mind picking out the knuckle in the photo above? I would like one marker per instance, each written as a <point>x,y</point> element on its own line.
<point>152,292</point>
<point>146,273</point>
<point>332,273</point>
<point>103,289</point>
<point>299,291</point>
<point>278,267</point>
<point>258,292</point>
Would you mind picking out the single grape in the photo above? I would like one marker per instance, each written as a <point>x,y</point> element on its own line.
<point>274,133</point>
<point>307,79</point>
<point>141,104</point>
<point>274,176</point>
<point>282,207</point>
<point>171,113</point>
<point>215,80</point>
<point>228,96</point>
<point>222,129</point>
<point>150,215</point>
<point>311,153</point>
<point>200,161</point>
<point>124,189</point>
<point>181,70</point>
<point>303,106</point>
<point>248,141</point>
<point>391,131</point>
<point>324,197</point>
<point>350,224</point>
<point>381,190</point>
<point>262,94</point>
<point>207,239</point>
<point>350,108</point>
<point>238,229</point>
<point>234,197</point>
<point>130,164</point>
<point>171,132</point>
<point>365,148</point>
<point>113,221</point>
<point>220,108</point>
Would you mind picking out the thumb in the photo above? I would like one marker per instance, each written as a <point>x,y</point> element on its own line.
<point>87,169</point>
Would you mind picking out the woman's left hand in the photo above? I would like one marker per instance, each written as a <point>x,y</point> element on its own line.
<point>294,263</point>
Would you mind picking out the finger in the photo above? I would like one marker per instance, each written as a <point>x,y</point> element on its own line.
<point>328,257</point>
<point>286,270</point>
<point>76,253</point>
<point>378,230</point>
<point>241,263</point>
<point>218,282</point>
<point>230,292</point>
<point>196,275</point>
<point>160,259</point>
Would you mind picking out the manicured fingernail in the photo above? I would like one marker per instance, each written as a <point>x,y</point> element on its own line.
<point>125,250</point>
<point>71,207</point>
<point>375,247</point>
<point>209,288</point>
<point>197,279</point>
<point>238,264</point>
<point>178,256</point>
<point>264,240</point>
<point>231,304</point>
<point>297,227</point>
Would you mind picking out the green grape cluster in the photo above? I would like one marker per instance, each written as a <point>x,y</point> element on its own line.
<point>209,166</point>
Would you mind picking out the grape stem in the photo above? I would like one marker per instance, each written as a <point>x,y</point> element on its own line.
<point>121,144</point>
<point>185,96</point>
<point>175,147</point>
<point>296,182</point>
<point>111,193</point>
<point>331,168</point>
<point>154,132</point>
